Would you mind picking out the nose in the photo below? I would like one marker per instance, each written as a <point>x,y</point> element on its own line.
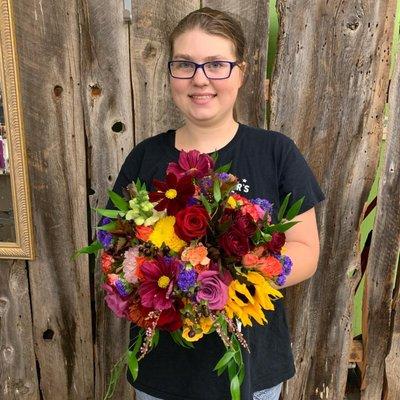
<point>200,77</point>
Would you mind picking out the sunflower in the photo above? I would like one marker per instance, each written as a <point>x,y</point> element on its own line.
<point>248,300</point>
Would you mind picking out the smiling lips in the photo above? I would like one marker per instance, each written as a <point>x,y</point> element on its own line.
<point>202,98</point>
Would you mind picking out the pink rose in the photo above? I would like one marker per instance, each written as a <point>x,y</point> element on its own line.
<point>249,260</point>
<point>212,289</point>
<point>117,305</point>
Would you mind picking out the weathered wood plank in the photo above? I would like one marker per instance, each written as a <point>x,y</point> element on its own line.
<point>328,93</point>
<point>107,106</point>
<point>18,375</point>
<point>48,48</point>
<point>381,322</point>
<point>253,16</point>
<point>152,22</point>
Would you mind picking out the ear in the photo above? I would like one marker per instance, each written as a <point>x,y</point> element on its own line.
<point>243,69</point>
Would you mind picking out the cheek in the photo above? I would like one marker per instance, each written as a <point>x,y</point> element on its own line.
<point>178,86</point>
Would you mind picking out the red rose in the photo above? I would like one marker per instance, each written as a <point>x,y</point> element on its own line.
<point>244,223</point>
<point>276,243</point>
<point>234,243</point>
<point>191,223</point>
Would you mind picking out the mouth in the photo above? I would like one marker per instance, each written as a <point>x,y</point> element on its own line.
<point>202,96</point>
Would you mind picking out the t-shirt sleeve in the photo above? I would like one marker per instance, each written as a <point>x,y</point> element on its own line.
<point>297,178</point>
<point>128,173</point>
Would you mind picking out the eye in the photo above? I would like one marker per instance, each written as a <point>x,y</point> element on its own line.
<point>184,64</point>
<point>216,64</point>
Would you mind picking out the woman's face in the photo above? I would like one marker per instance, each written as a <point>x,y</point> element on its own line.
<point>200,99</point>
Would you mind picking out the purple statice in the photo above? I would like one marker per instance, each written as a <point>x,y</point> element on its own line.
<point>123,287</point>
<point>223,176</point>
<point>205,184</point>
<point>186,279</point>
<point>264,204</point>
<point>192,201</point>
<point>104,237</point>
<point>280,280</point>
<point>287,265</point>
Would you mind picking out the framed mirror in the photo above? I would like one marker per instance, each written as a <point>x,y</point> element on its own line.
<point>16,231</point>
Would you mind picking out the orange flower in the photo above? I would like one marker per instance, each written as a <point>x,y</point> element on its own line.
<point>250,260</point>
<point>143,232</point>
<point>106,262</point>
<point>196,255</point>
<point>138,270</point>
<point>270,266</point>
<point>251,210</point>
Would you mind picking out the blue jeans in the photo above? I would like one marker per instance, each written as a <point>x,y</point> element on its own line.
<point>266,394</point>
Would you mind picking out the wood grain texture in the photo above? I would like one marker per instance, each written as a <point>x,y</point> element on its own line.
<point>328,93</point>
<point>108,111</point>
<point>381,327</point>
<point>253,16</point>
<point>152,22</point>
<point>48,48</point>
<point>18,375</point>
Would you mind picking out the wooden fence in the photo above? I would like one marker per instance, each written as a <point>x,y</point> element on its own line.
<point>94,83</point>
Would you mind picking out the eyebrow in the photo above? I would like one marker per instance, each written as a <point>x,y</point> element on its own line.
<point>188,57</point>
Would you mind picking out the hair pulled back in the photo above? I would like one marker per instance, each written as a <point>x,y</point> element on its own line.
<point>213,22</point>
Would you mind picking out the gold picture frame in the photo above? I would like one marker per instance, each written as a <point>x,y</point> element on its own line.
<point>22,247</point>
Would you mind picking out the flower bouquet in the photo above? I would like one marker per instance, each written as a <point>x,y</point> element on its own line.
<point>192,258</point>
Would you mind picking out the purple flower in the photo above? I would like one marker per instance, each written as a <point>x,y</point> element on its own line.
<point>123,287</point>
<point>212,289</point>
<point>104,237</point>
<point>223,176</point>
<point>287,265</point>
<point>117,305</point>
<point>264,204</point>
<point>280,280</point>
<point>186,279</point>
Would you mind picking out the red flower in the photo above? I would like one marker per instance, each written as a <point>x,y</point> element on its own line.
<point>191,163</point>
<point>234,243</point>
<point>244,223</point>
<point>173,194</point>
<point>191,223</point>
<point>276,243</point>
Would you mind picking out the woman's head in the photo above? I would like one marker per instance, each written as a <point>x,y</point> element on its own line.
<point>207,35</point>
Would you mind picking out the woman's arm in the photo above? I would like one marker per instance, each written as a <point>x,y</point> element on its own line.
<point>302,246</point>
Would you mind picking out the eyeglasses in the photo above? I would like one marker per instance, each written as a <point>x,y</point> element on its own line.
<point>212,69</point>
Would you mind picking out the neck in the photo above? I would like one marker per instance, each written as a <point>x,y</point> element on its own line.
<point>205,138</point>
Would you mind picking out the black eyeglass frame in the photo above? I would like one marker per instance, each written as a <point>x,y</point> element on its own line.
<point>231,63</point>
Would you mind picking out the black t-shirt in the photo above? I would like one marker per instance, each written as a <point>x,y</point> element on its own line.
<point>268,165</point>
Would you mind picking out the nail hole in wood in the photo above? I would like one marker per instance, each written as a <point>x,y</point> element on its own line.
<point>118,127</point>
<point>48,334</point>
<point>95,90</point>
<point>58,90</point>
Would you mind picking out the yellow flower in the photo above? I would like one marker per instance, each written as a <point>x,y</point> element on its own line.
<point>206,324</point>
<point>231,202</point>
<point>187,327</point>
<point>164,233</point>
<point>249,300</point>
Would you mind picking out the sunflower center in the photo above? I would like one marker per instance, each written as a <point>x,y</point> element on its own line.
<point>163,281</point>
<point>171,193</point>
<point>242,297</point>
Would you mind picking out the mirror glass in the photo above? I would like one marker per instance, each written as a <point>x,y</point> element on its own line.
<point>7,226</point>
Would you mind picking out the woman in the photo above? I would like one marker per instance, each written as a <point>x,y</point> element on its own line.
<point>207,69</point>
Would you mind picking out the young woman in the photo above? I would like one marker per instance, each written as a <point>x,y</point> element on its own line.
<point>207,69</point>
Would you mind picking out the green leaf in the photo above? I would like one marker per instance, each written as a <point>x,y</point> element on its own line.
<point>214,156</point>
<point>294,209</point>
<point>109,213</point>
<point>224,168</point>
<point>217,191</point>
<point>91,249</point>
<point>284,227</point>
<point>235,388</point>
<point>107,227</point>
<point>241,375</point>
<point>133,364</point>
<point>224,360</point>
<point>178,339</point>
<point>206,204</point>
<point>138,342</point>
<point>283,206</point>
<point>118,201</point>
<point>156,338</point>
